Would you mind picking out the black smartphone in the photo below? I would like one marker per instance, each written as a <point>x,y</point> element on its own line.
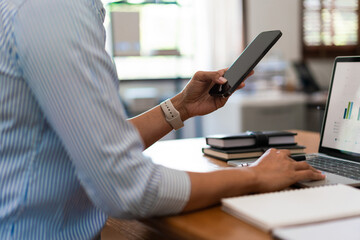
<point>246,62</point>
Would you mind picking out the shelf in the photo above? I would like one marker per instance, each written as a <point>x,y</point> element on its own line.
<point>140,2</point>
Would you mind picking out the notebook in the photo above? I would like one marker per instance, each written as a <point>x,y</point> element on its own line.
<point>270,211</point>
<point>347,228</point>
<point>339,148</point>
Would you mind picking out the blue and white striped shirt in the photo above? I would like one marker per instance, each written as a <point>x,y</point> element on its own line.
<point>68,156</point>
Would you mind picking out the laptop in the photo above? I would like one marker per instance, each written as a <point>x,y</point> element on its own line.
<point>339,148</point>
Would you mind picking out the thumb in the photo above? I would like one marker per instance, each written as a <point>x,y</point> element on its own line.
<point>221,80</point>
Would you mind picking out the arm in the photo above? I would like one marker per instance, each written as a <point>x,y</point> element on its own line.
<point>155,118</point>
<point>193,100</point>
<point>74,82</point>
<point>272,172</point>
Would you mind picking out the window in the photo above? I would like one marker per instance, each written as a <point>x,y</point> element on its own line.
<point>330,28</point>
<point>168,39</point>
<point>152,39</point>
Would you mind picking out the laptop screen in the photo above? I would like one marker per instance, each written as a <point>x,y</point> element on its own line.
<point>341,126</point>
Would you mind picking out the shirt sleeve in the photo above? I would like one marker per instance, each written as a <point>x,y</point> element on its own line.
<point>61,52</point>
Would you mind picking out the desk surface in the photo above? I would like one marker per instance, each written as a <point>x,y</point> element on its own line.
<point>210,223</point>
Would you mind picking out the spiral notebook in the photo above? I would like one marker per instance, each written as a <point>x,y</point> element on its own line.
<point>295,207</point>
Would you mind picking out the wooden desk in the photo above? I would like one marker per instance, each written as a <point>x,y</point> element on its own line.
<point>210,223</point>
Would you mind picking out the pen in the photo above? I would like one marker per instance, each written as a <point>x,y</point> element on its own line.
<point>299,158</point>
<point>243,163</point>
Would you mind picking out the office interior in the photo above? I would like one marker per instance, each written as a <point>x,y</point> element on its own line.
<point>157,45</point>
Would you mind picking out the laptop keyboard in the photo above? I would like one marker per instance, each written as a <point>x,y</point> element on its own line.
<point>345,169</point>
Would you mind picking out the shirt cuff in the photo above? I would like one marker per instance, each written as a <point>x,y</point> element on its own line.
<point>174,192</point>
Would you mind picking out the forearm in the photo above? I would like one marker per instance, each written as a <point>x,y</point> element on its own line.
<point>152,124</point>
<point>193,100</point>
<point>273,171</point>
<point>208,189</point>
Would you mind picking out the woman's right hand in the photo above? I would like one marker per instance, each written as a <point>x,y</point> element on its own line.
<point>275,170</point>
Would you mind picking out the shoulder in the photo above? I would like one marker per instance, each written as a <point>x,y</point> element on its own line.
<point>58,24</point>
<point>57,14</point>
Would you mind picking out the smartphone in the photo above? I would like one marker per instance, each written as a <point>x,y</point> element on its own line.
<point>246,62</point>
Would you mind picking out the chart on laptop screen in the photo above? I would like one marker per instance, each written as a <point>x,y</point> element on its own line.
<point>342,128</point>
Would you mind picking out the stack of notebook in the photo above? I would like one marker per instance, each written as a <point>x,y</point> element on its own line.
<point>250,144</point>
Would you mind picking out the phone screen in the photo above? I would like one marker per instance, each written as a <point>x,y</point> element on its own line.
<point>246,62</point>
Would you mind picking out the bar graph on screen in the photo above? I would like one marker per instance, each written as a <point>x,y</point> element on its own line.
<point>349,110</point>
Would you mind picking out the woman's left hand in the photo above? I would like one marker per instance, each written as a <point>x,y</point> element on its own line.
<point>195,100</point>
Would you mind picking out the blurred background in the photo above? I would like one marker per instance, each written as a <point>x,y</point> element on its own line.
<point>157,45</point>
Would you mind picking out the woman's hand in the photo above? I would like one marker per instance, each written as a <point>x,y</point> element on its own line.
<point>195,100</point>
<point>275,170</point>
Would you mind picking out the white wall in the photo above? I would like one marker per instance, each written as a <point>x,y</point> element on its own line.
<point>284,15</point>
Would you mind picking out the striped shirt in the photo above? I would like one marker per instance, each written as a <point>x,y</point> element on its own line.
<point>68,156</point>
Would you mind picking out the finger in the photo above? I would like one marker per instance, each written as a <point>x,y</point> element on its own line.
<point>309,175</point>
<point>217,77</point>
<point>206,76</point>
<point>222,71</point>
<point>220,80</point>
<point>304,166</point>
<point>242,85</point>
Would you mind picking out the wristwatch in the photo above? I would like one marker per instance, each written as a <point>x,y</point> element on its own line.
<point>172,116</point>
